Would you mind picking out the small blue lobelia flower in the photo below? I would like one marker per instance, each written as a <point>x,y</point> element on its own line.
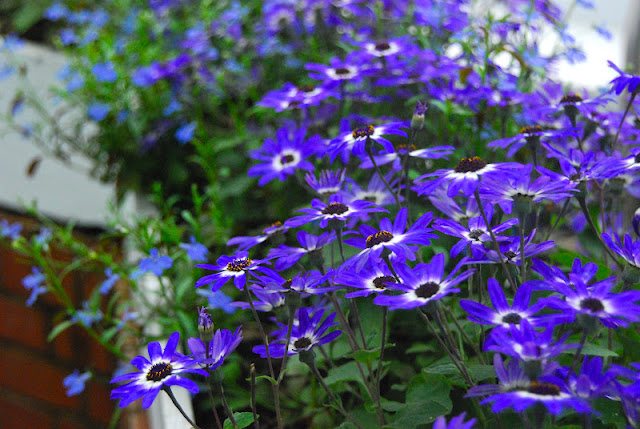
<point>217,300</point>
<point>8,230</point>
<point>56,11</point>
<point>185,133</point>
<point>155,264</point>
<point>195,251</point>
<point>305,335</point>
<point>75,382</point>
<point>160,371</point>
<point>110,281</point>
<point>87,316</point>
<point>104,72</point>
<point>98,111</point>
<point>34,282</point>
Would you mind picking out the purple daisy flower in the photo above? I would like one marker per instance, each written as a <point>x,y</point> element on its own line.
<point>553,275</point>
<point>356,141</point>
<point>511,252</point>
<point>388,48</point>
<point>611,309</point>
<point>221,345</point>
<point>572,104</point>
<point>449,207</point>
<point>284,155</point>
<point>336,210</point>
<point>305,335</point>
<point>475,235</point>
<point>349,70</point>
<point>287,256</point>
<point>525,343</point>
<point>296,97</point>
<point>247,242</point>
<point>373,278</point>
<point>579,167</point>
<point>395,157</point>
<point>629,249</point>
<point>309,282</point>
<point>624,81</point>
<point>393,238</point>
<point>509,189</point>
<point>531,136</point>
<point>160,371</point>
<point>590,381</point>
<point>228,267</point>
<point>376,191</point>
<point>464,177</point>
<point>327,183</point>
<point>422,284</point>
<point>268,300</point>
<point>503,315</point>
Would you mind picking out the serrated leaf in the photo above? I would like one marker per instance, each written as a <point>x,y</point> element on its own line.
<point>242,421</point>
<point>58,329</point>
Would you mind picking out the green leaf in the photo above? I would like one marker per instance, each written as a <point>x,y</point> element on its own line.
<point>266,377</point>
<point>109,333</point>
<point>594,350</point>
<point>346,372</point>
<point>242,420</point>
<point>481,372</point>
<point>427,399</point>
<point>58,329</point>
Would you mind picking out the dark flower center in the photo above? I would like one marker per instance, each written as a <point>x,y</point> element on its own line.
<point>302,343</point>
<point>512,318</point>
<point>571,98</point>
<point>380,282</point>
<point>531,129</point>
<point>637,158</point>
<point>238,265</point>
<point>306,88</point>
<point>370,198</point>
<point>286,159</point>
<point>407,147</point>
<point>378,237</point>
<point>277,224</point>
<point>342,71</point>
<point>287,284</point>
<point>546,389</point>
<point>475,234</point>
<point>335,209</point>
<point>382,46</point>
<point>592,304</point>
<point>159,371</point>
<point>510,254</point>
<point>365,131</point>
<point>427,290</point>
<point>469,165</point>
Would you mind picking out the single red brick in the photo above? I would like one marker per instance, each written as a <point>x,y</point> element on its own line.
<point>34,376</point>
<point>22,324</point>
<point>19,414</point>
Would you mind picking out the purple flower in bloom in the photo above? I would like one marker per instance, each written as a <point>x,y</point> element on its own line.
<point>296,97</point>
<point>184,133</point>
<point>34,282</point>
<point>531,135</point>
<point>307,283</point>
<point>422,284</point>
<point>464,177</point>
<point>228,267</point>
<point>624,81</point>
<point>327,183</point>
<point>336,210</point>
<point>247,242</point>
<point>98,111</point>
<point>455,423</point>
<point>305,335</point>
<point>356,141</point>
<point>503,315</point>
<point>376,190</point>
<point>282,156</point>
<point>511,251</point>
<point>373,278</point>
<point>509,189</point>
<point>75,382</point>
<point>212,356</point>
<point>525,343</point>
<point>436,152</point>
<point>590,381</point>
<point>553,275</point>
<point>393,238</point>
<point>578,167</point>
<point>475,235</point>
<point>612,309</point>
<point>155,264</point>
<point>195,251</point>
<point>87,316</point>
<point>629,250</point>
<point>8,230</point>
<point>268,300</point>
<point>162,370</point>
<point>287,256</point>
<point>349,70</point>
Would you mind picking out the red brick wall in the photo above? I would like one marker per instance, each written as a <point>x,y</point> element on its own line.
<point>32,369</point>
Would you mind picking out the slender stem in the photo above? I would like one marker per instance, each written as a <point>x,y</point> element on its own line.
<point>495,241</point>
<point>560,216</point>
<point>331,395</point>
<point>175,402</point>
<point>225,405</point>
<point>523,262</point>
<point>624,116</point>
<point>383,342</point>
<point>585,210</point>
<point>283,366</point>
<point>473,345</point>
<point>576,356</point>
<point>256,423</point>
<point>384,180</point>
<point>265,339</point>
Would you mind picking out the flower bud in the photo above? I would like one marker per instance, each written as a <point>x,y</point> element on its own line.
<point>417,121</point>
<point>205,325</point>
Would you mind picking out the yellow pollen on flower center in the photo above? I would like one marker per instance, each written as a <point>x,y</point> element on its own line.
<point>378,237</point>
<point>159,371</point>
<point>363,132</point>
<point>238,265</point>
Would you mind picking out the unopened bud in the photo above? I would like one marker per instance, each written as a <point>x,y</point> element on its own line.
<point>417,121</point>
<point>205,325</point>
